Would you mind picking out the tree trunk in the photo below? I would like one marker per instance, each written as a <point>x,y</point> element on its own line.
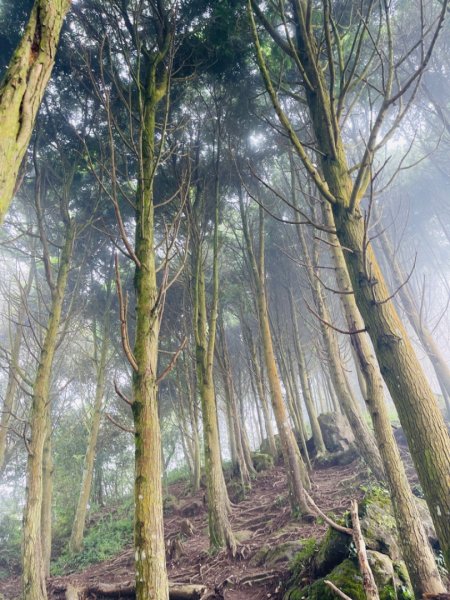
<point>11,388</point>
<point>364,439</point>
<point>425,336</point>
<point>32,568</point>
<point>297,473</point>
<point>23,87</point>
<point>416,405</point>
<point>76,538</point>
<point>256,370</point>
<point>220,532</point>
<point>413,540</point>
<point>47,495</point>
<point>306,386</point>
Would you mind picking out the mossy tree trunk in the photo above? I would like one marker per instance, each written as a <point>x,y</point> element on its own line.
<point>149,548</point>
<point>23,87</point>
<point>295,467</point>
<point>47,497</point>
<point>259,384</point>
<point>220,532</point>
<point>364,439</point>
<point>76,537</point>
<point>413,539</point>
<point>416,405</point>
<point>305,382</point>
<point>33,575</point>
<point>426,338</point>
<point>12,385</point>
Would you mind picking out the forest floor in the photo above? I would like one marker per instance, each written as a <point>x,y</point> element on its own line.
<point>262,520</point>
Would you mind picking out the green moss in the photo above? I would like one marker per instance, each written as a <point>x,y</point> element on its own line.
<point>303,558</point>
<point>345,576</point>
<point>333,550</point>
<point>262,461</point>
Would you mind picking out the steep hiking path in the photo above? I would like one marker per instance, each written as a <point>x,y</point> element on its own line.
<point>269,538</point>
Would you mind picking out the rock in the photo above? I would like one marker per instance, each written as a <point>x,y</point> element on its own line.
<point>170,504</point>
<point>382,568</point>
<point>265,448</point>
<point>378,525</point>
<point>333,550</point>
<point>262,461</point>
<point>274,556</point>
<point>337,458</point>
<point>237,492</point>
<point>336,432</point>
<point>345,576</point>
<point>192,509</point>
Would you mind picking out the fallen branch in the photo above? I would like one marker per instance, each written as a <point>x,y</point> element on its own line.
<point>336,590</point>
<point>177,591</point>
<point>370,587</point>
<point>327,519</point>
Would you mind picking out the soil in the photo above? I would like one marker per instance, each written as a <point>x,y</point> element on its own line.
<point>264,514</point>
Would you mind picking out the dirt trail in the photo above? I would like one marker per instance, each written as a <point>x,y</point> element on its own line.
<point>265,517</point>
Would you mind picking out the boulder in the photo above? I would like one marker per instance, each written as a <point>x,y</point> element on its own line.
<point>170,504</point>
<point>237,491</point>
<point>378,524</point>
<point>336,432</point>
<point>262,461</point>
<point>275,556</point>
<point>332,551</point>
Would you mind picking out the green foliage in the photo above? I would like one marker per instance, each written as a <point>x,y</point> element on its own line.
<point>105,539</point>
<point>177,475</point>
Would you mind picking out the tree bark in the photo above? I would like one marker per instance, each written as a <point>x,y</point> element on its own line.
<point>23,88</point>
<point>76,537</point>
<point>297,473</point>
<point>32,565</point>
<point>220,532</point>
<point>416,549</point>
<point>305,383</point>
<point>425,336</point>
<point>11,388</point>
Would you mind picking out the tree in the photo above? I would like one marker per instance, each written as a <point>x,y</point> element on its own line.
<point>326,92</point>
<point>23,88</point>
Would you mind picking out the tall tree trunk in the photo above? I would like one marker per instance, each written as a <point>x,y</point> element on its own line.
<point>32,567</point>
<point>305,383</point>
<point>47,496</point>
<point>11,388</point>
<point>257,374</point>
<point>76,537</point>
<point>423,333</point>
<point>416,405</point>
<point>364,439</point>
<point>413,539</point>
<point>149,547</point>
<point>297,473</point>
<point>220,532</point>
<point>23,87</point>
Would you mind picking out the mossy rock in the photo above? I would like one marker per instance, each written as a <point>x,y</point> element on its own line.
<point>170,504</point>
<point>333,550</point>
<point>262,461</point>
<point>345,576</point>
<point>243,535</point>
<point>378,524</point>
<point>237,492</point>
<point>265,448</point>
<point>274,556</point>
